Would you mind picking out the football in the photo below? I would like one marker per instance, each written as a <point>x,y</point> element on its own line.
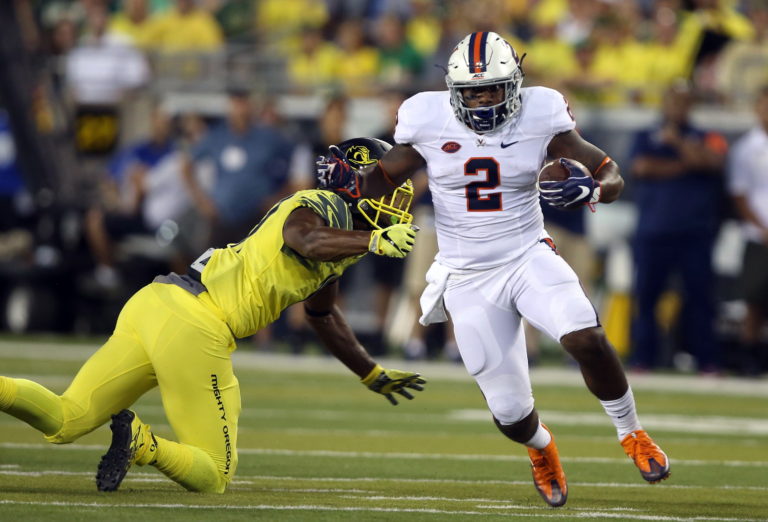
<point>556,171</point>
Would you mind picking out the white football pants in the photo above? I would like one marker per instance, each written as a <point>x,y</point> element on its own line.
<point>486,308</point>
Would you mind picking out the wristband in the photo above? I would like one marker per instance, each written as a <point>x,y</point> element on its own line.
<point>372,375</point>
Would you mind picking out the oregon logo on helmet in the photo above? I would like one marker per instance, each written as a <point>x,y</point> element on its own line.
<point>359,155</point>
<point>385,210</point>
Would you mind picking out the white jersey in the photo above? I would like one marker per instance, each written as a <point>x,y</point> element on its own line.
<point>484,186</point>
<point>748,176</point>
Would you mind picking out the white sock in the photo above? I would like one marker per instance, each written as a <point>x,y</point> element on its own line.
<point>540,439</point>
<point>622,413</point>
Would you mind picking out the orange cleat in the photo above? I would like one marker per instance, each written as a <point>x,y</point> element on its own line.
<point>647,456</point>
<point>548,476</point>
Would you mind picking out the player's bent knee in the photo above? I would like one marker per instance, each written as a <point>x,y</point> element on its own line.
<point>206,474</point>
<point>215,484</point>
<point>76,421</point>
<point>68,433</point>
<point>61,437</point>
<point>509,409</point>
<point>586,343</point>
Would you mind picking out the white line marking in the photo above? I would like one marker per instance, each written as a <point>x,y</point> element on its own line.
<point>253,479</point>
<point>408,456</point>
<point>505,503</point>
<point>679,423</point>
<point>493,458</point>
<point>284,363</point>
<point>310,507</point>
<point>493,482</point>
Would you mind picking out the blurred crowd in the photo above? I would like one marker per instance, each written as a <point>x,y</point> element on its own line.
<point>611,52</point>
<point>151,183</point>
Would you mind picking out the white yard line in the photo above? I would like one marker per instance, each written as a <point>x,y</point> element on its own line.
<point>408,456</point>
<point>284,363</point>
<point>565,512</point>
<point>667,485</point>
<point>707,424</point>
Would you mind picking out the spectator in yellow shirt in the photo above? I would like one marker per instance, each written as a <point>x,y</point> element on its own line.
<point>742,67</point>
<point>281,22</point>
<point>314,64</point>
<point>666,56</point>
<point>360,62</point>
<point>186,28</point>
<point>424,28</point>
<point>619,55</point>
<point>551,60</point>
<point>132,22</point>
<point>709,26</point>
<point>587,84</point>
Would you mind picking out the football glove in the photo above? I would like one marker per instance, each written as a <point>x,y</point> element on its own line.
<point>387,382</point>
<point>393,241</point>
<point>335,173</point>
<point>579,189</point>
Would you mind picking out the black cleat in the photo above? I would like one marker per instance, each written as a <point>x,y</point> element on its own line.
<point>132,443</point>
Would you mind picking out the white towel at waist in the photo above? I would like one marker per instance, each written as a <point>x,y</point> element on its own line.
<point>431,300</point>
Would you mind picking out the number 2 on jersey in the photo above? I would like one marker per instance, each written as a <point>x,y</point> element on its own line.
<point>476,201</point>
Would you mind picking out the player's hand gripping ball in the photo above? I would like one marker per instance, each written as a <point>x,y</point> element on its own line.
<point>567,184</point>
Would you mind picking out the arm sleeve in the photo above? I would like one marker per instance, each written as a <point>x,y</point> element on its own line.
<point>329,206</point>
<point>562,119</point>
<point>406,129</point>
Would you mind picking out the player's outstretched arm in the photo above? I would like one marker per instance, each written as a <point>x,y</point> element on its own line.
<point>339,339</point>
<point>306,233</point>
<point>571,145</point>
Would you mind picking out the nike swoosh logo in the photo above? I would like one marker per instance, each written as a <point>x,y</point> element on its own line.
<point>505,145</point>
<point>584,193</point>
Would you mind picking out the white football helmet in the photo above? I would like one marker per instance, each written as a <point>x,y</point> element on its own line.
<point>483,59</point>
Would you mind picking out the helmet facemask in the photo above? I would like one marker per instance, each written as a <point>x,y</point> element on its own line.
<point>388,210</point>
<point>485,59</point>
<point>487,119</point>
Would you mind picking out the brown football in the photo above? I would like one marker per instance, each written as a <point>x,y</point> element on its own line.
<point>555,171</point>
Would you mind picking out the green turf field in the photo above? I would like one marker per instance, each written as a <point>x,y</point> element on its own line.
<point>316,445</point>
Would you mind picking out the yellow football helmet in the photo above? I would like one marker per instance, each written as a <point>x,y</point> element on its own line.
<point>387,210</point>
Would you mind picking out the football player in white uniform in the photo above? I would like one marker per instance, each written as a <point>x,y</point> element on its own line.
<point>483,142</point>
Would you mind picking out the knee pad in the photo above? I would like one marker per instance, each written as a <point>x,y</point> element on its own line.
<point>509,409</point>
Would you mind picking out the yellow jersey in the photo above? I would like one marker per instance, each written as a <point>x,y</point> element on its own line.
<point>253,281</point>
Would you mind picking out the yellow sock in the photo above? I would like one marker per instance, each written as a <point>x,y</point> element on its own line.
<point>32,403</point>
<point>189,466</point>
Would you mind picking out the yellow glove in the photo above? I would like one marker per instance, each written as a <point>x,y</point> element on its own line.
<point>387,382</point>
<point>394,241</point>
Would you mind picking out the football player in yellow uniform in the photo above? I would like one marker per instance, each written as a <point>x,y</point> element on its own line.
<point>178,332</point>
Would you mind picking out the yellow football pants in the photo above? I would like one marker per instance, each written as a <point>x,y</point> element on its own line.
<point>164,337</point>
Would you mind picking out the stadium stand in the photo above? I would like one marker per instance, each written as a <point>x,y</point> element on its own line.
<point>612,59</point>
